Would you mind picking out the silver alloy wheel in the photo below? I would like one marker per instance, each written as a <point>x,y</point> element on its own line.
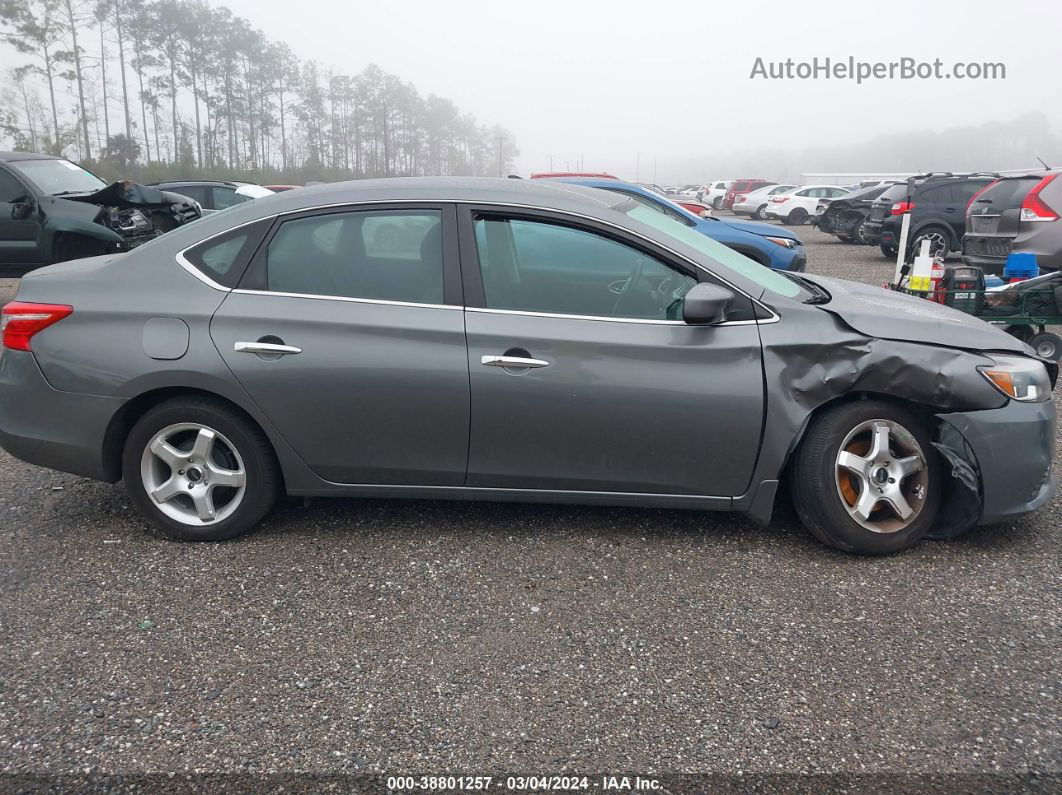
<point>761,212</point>
<point>193,474</point>
<point>938,244</point>
<point>882,476</point>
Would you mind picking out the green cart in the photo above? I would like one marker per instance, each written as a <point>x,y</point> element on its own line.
<point>1024,314</point>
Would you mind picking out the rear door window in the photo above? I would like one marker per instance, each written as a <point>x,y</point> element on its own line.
<point>384,255</point>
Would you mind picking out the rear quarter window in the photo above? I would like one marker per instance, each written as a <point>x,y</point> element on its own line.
<point>224,258</point>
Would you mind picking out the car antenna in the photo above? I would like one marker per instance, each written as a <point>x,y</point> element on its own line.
<point>1042,163</point>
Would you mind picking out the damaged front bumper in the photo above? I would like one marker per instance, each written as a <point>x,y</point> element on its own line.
<point>1001,464</point>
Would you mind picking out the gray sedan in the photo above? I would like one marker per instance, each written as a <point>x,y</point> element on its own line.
<point>505,340</point>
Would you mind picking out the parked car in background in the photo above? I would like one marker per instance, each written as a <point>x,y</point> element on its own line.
<point>844,217</point>
<point>754,204</point>
<point>555,174</point>
<point>715,192</point>
<point>1015,213</point>
<point>576,347</point>
<point>796,206</point>
<point>53,210</point>
<point>693,205</point>
<point>214,195</point>
<point>762,243</point>
<point>937,204</point>
<point>740,187</point>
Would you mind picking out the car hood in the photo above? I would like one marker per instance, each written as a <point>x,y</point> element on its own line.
<point>125,193</point>
<point>757,228</point>
<point>887,314</point>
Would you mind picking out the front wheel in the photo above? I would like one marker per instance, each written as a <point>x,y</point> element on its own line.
<point>199,470</point>
<point>866,478</point>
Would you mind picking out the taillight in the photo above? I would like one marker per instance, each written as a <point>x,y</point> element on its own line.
<point>902,207</point>
<point>1033,208</point>
<point>973,198</point>
<point>21,320</point>
<point>779,199</point>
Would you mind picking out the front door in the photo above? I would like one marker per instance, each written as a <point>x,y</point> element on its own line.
<point>585,379</point>
<point>351,340</point>
<point>19,237</point>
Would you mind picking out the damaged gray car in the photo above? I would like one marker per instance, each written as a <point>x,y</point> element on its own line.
<point>507,340</point>
<point>52,210</point>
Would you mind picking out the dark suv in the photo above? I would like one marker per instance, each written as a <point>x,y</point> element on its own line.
<point>937,204</point>
<point>1015,213</point>
<point>52,210</point>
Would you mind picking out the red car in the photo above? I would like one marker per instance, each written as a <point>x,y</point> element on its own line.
<point>741,187</point>
<point>695,207</point>
<point>279,188</point>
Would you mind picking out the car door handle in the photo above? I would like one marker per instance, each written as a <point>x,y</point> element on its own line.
<point>265,347</point>
<point>514,362</point>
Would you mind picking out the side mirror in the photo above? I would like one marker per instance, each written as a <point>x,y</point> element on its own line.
<point>705,304</point>
<point>23,209</point>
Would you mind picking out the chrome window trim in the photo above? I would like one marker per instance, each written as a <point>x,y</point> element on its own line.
<point>641,321</point>
<point>184,263</point>
<point>345,299</point>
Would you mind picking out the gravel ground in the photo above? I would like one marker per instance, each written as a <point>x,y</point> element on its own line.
<point>353,636</point>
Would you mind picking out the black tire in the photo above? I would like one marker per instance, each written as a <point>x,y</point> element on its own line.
<point>889,251</point>
<point>68,247</point>
<point>1047,345</point>
<point>797,217</point>
<point>263,479</point>
<point>941,236</point>
<point>761,213</point>
<point>816,492</point>
<point>717,203</point>
<point>1023,333</point>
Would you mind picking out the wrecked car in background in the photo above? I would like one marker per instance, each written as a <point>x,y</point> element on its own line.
<point>844,216</point>
<point>52,210</point>
<point>579,345</point>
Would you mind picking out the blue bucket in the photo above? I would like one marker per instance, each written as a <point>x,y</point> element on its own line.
<point>1021,265</point>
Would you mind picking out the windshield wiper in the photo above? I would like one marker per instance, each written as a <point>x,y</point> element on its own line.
<point>820,295</point>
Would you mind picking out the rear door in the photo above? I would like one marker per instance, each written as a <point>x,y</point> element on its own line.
<point>347,330</point>
<point>584,379</point>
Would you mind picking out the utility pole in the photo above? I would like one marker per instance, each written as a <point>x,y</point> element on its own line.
<point>550,162</point>
<point>638,167</point>
<point>501,143</point>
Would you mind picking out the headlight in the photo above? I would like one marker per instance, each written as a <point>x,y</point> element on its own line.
<point>784,242</point>
<point>1019,378</point>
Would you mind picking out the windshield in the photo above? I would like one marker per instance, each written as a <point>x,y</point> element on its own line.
<point>1006,193</point>
<point>676,230</point>
<point>56,177</point>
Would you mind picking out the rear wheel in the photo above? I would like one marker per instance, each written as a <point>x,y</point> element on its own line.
<point>866,478</point>
<point>199,470</point>
<point>939,242</point>
<point>797,216</point>
<point>761,213</point>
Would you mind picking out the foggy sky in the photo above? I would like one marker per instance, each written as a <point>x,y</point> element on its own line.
<point>616,82</point>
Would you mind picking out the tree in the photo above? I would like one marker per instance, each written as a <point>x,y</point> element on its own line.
<point>76,17</point>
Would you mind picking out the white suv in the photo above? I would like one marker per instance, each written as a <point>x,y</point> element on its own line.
<point>797,205</point>
<point>755,204</point>
<point>714,193</point>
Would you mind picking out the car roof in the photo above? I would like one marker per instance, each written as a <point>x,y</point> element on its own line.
<point>12,157</point>
<point>200,182</point>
